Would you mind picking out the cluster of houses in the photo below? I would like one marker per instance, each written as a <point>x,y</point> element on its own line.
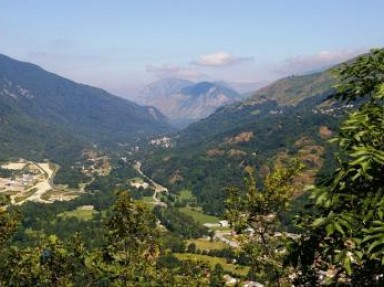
<point>24,175</point>
<point>332,111</point>
<point>93,163</point>
<point>164,142</point>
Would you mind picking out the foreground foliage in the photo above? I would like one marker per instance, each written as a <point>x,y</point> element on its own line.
<point>130,256</point>
<point>345,242</point>
<point>256,216</point>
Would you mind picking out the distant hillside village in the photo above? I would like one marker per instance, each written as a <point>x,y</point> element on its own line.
<point>164,142</point>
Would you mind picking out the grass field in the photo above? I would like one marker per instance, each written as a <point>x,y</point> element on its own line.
<point>199,216</point>
<point>147,199</point>
<point>212,261</point>
<point>186,195</point>
<point>79,213</point>
<point>206,245</point>
<point>25,195</point>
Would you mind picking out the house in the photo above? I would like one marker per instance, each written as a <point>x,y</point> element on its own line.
<point>229,280</point>
<point>252,284</point>
<point>224,223</point>
<point>86,207</point>
<point>139,184</point>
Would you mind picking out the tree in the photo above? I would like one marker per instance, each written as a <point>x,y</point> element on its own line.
<point>9,221</point>
<point>191,248</point>
<point>345,242</point>
<point>129,256</point>
<point>258,211</point>
<point>217,276</point>
<point>132,248</point>
<point>52,263</point>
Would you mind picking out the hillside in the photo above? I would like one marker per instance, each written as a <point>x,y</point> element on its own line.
<point>43,115</point>
<point>289,118</point>
<point>293,89</point>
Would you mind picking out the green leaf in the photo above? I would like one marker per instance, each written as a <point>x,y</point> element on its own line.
<point>372,236</point>
<point>360,160</point>
<point>375,244</point>
<point>359,254</point>
<point>378,156</point>
<point>339,256</point>
<point>359,151</point>
<point>319,221</point>
<point>329,229</point>
<point>347,265</point>
<point>320,199</point>
<point>344,222</point>
<point>339,228</point>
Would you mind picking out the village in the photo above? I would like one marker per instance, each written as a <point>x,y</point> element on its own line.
<point>24,180</point>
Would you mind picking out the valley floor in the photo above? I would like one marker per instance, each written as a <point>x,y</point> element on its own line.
<point>32,181</point>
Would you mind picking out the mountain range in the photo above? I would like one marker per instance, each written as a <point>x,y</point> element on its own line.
<point>42,114</point>
<point>184,102</point>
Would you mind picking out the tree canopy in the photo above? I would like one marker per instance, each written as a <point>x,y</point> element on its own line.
<point>345,242</point>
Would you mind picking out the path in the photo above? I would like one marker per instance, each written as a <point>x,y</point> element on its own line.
<point>221,237</point>
<point>158,188</point>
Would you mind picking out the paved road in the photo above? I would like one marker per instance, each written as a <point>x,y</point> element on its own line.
<point>158,188</point>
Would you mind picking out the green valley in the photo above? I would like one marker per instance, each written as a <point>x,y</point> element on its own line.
<point>255,194</point>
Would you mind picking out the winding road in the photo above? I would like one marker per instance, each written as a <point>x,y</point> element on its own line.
<point>158,188</point>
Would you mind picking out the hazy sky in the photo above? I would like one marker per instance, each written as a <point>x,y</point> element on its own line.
<point>121,45</point>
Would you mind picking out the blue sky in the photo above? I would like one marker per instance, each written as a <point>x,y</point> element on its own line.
<point>121,45</point>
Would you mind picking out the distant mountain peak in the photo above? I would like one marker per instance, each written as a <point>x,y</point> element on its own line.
<point>199,88</point>
<point>185,101</point>
<point>163,87</point>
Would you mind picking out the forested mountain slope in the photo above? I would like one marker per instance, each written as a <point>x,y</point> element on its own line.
<point>45,115</point>
<point>289,118</point>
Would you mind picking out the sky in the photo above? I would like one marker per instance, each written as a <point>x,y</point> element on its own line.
<point>122,45</point>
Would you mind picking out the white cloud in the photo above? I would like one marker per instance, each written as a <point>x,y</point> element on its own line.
<point>323,59</point>
<point>220,59</point>
<point>174,71</point>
